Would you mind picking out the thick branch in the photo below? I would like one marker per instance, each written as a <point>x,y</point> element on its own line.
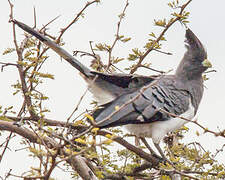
<point>155,161</point>
<point>50,122</point>
<point>9,126</point>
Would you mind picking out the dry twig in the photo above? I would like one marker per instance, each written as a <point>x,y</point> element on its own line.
<point>141,59</point>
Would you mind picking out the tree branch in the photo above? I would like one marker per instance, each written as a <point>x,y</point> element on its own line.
<point>155,161</point>
<point>19,51</point>
<point>76,162</point>
<point>121,16</point>
<point>75,19</point>
<point>160,37</point>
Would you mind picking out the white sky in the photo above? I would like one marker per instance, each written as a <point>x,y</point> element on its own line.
<point>99,25</point>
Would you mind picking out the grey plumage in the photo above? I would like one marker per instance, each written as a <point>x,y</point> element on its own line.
<point>179,94</point>
<point>165,94</point>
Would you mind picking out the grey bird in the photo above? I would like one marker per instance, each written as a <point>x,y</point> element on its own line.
<point>146,111</point>
<point>144,104</point>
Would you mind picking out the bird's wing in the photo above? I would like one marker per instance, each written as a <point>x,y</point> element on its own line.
<point>126,80</point>
<point>144,105</point>
<point>117,84</point>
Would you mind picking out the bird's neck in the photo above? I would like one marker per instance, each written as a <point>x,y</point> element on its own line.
<point>194,86</point>
<point>185,75</point>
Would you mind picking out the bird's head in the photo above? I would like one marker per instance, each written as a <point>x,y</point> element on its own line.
<point>195,61</point>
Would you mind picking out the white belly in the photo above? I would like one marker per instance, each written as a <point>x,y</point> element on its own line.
<point>157,130</point>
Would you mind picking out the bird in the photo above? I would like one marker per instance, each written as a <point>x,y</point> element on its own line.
<point>146,111</point>
<point>144,104</point>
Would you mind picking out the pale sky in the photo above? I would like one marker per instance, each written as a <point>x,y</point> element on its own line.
<point>99,25</point>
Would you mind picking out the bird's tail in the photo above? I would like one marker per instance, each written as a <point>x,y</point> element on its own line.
<point>60,51</point>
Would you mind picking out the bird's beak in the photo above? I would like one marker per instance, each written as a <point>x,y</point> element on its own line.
<point>206,63</point>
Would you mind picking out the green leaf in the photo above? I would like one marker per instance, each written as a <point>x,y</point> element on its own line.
<point>44,75</point>
<point>116,60</point>
<point>126,39</point>
<point>8,50</point>
<point>161,23</point>
<point>132,57</point>
<point>152,34</point>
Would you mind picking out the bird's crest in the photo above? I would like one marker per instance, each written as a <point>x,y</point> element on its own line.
<point>194,46</point>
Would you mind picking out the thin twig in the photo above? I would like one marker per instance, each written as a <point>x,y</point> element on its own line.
<point>7,64</point>
<point>218,151</point>
<point>167,53</point>
<point>35,18</point>
<point>81,98</point>
<point>117,68</point>
<point>6,146</point>
<point>19,51</point>
<point>121,16</point>
<point>159,37</point>
<point>221,134</point>
<point>92,50</point>
<point>210,71</point>
<point>49,23</point>
<point>83,53</point>
<point>152,69</point>
<point>74,20</point>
